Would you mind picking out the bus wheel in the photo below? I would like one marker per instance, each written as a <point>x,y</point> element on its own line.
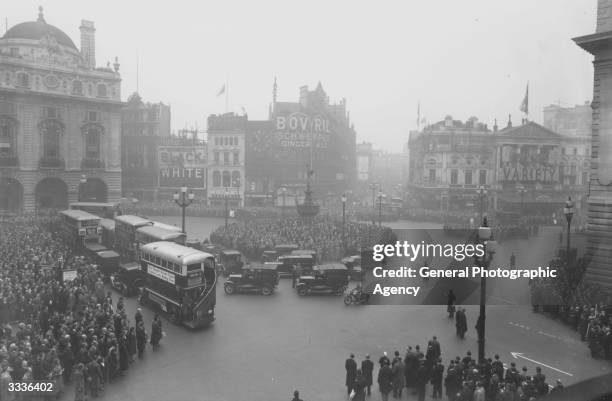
<point>229,289</point>
<point>302,291</point>
<point>265,290</point>
<point>173,317</point>
<point>339,291</point>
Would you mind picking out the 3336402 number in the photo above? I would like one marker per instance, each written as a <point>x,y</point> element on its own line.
<point>30,387</point>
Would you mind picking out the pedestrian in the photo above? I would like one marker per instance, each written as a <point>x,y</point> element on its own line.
<point>79,382</point>
<point>131,343</point>
<point>94,376</point>
<point>398,376</point>
<point>384,359</point>
<point>359,387</point>
<point>156,332</point>
<point>421,383</point>
<point>479,393</point>
<point>367,368</point>
<point>296,396</point>
<point>436,379</point>
<point>450,303</point>
<point>141,339</point>
<point>138,316</point>
<point>385,381</point>
<point>435,345</point>
<point>351,372</point>
<point>124,358</point>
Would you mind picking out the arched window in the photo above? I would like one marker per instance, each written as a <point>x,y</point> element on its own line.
<point>77,87</point>
<point>51,131</point>
<point>226,179</point>
<point>101,90</point>
<point>216,178</point>
<point>236,179</point>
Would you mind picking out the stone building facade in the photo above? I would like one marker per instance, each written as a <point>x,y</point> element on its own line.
<point>60,119</point>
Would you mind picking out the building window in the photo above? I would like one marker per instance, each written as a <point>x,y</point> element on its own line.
<point>14,52</point>
<point>90,90</point>
<point>92,143</point>
<point>227,179</point>
<point>216,178</point>
<point>586,152</point>
<point>562,151</point>
<point>216,157</point>
<point>482,177</point>
<point>23,79</point>
<point>226,157</point>
<point>51,132</point>
<point>236,179</point>
<point>101,90</point>
<point>467,177</point>
<point>7,138</point>
<point>77,88</point>
<point>432,174</point>
<point>575,151</point>
<point>50,112</point>
<point>585,178</point>
<point>236,157</point>
<point>454,178</point>
<point>93,116</point>
<point>216,141</point>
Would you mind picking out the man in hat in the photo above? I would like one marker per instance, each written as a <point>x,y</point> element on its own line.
<point>351,372</point>
<point>384,359</point>
<point>296,396</point>
<point>498,367</point>
<point>436,379</point>
<point>367,368</point>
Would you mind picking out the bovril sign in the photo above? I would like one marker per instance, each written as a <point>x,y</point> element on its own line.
<point>299,130</point>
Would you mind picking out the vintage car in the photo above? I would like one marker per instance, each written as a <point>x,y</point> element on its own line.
<point>285,249</point>
<point>302,252</point>
<point>128,279</point>
<point>269,255</point>
<point>230,261</point>
<point>288,263</point>
<point>108,263</point>
<point>260,278</point>
<point>332,277</point>
<point>353,264</point>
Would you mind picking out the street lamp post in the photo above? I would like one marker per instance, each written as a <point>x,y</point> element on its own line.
<point>284,193</point>
<point>568,211</point>
<point>183,200</point>
<point>380,197</point>
<point>482,193</point>
<point>226,197</point>
<point>522,191</point>
<point>343,224</point>
<point>373,186</point>
<point>485,237</point>
<point>83,182</point>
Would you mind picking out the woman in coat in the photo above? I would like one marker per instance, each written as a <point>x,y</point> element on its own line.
<point>141,338</point>
<point>131,343</point>
<point>124,357</point>
<point>156,332</point>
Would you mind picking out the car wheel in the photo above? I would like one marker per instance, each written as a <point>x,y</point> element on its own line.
<point>302,291</point>
<point>229,289</point>
<point>339,291</point>
<point>265,290</point>
<point>347,300</point>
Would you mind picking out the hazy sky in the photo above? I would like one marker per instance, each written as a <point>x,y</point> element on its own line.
<point>464,58</point>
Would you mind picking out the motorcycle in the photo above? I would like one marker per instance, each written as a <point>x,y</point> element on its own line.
<point>357,298</point>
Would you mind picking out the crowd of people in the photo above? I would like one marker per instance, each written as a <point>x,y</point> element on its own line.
<point>462,379</point>
<point>323,235</point>
<point>63,332</point>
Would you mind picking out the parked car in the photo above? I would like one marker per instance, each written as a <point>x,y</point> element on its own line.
<point>332,277</point>
<point>261,278</point>
<point>230,261</point>
<point>128,279</point>
<point>288,263</point>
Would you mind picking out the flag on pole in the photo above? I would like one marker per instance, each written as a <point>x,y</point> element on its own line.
<point>525,103</point>
<point>221,91</point>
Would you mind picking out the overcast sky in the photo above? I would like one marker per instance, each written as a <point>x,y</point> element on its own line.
<point>464,58</point>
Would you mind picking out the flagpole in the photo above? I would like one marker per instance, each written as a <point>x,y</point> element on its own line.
<point>226,96</point>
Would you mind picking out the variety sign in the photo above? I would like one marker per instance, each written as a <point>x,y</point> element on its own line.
<point>182,165</point>
<point>522,173</point>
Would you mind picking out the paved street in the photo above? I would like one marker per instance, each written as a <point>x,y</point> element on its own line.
<point>262,348</point>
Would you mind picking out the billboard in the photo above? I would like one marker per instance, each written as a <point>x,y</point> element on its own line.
<point>182,165</point>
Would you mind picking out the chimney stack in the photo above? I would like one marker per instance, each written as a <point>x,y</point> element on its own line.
<point>88,43</point>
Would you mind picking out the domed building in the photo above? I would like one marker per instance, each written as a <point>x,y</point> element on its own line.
<point>60,119</point>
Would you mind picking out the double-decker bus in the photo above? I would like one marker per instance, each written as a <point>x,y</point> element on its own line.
<point>108,233</point>
<point>154,233</point>
<point>125,236</point>
<point>180,281</point>
<point>79,228</point>
<point>105,210</point>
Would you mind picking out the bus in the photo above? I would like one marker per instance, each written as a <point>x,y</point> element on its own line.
<point>105,210</point>
<point>108,233</point>
<point>125,236</point>
<point>154,233</point>
<point>79,228</point>
<point>168,227</point>
<point>180,281</point>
